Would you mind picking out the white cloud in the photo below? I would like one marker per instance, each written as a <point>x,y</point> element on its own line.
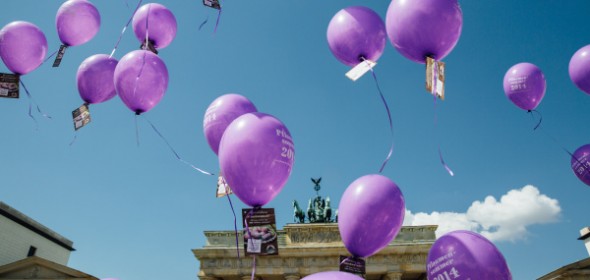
<point>503,220</point>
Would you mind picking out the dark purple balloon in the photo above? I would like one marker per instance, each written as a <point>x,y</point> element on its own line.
<point>95,78</point>
<point>370,214</point>
<point>355,33</point>
<point>579,69</point>
<point>77,22</point>
<point>22,46</point>
<point>222,111</point>
<point>332,275</point>
<point>256,156</point>
<point>466,255</point>
<point>524,85</point>
<point>424,28</point>
<point>161,25</point>
<point>581,163</point>
<point>141,79</point>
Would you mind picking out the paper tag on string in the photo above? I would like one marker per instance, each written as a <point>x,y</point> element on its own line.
<point>9,85</point>
<point>435,77</point>
<point>352,265</point>
<point>60,56</point>
<point>223,188</point>
<point>212,3</point>
<point>360,69</point>
<point>150,47</point>
<point>260,236</point>
<point>81,116</point>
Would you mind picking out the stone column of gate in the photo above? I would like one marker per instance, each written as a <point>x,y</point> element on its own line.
<point>393,276</point>
<point>208,278</point>
<point>292,277</point>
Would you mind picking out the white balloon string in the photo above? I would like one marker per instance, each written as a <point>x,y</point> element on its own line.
<point>49,57</point>
<point>440,156</point>
<point>125,28</point>
<point>31,102</point>
<point>235,218</point>
<point>174,151</point>
<point>253,267</point>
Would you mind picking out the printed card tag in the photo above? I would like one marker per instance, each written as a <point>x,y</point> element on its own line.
<point>215,4</point>
<point>150,47</point>
<point>60,55</point>
<point>81,116</point>
<point>352,265</point>
<point>435,77</point>
<point>260,236</point>
<point>223,188</point>
<point>9,85</point>
<point>360,69</point>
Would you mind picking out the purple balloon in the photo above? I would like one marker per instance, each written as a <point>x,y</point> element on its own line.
<point>222,111</point>
<point>141,79</point>
<point>256,156</point>
<point>332,275</point>
<point>424,28</point>
<point>371,213</point>
<point>22,46</point>
<point>466,255</point>
<point>159,22</point>
<point>355,33</point>
<point>95,78</point>
<point>524,85</point>
<point>581,163</point>
<point>579,69</point>
<point>77,22</point>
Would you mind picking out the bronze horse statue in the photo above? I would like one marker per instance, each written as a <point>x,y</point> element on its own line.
<point>298,215</point>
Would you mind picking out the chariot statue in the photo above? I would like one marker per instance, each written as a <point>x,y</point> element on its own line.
<point>318,209</point>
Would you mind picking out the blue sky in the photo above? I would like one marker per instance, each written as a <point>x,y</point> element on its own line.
<point>135,212</point>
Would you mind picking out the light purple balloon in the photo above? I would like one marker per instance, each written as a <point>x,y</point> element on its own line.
<point>579,69</point>
<point>77,22</point>
<point>256,156</point>
<point>466,255</point>
<point>22,46</point>
<point>355,33</point>
<point>141,79</point>
<point>370,214</point>
<point>524,85</point>
<point>161,25</point>
<point>424,28</point>
<point>332,275</point>
<point>95,78</point>
<point>580,163</point>
<point>222,111</point>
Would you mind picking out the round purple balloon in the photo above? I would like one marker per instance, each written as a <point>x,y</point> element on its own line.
<point>256,156</point>
<point>22,46</point>
<point>141,79</point>
<point>355,33</point>
<point>158,22</point>
<point>332,275</point>
<point>77,22</point>
<point>371,213</point>
<point>581,163</point>
<point>579,69</point>
<point>466,255</point>
<point>524,85</point>
<point>95,78</point>
<point>424,28</point>
<point>222,111</point>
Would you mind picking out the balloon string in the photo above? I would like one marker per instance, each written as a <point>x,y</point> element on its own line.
<point>174,151</point>
<point>235,219</point>
<point>147,41</point>
<point>555,140</point>
<point>125,28</point>
<point>31,101</point>
<point>440,156</point>
<point>203,23</point>
<point>218,17</point>
<point>253,267</point>
<point>75,137</point>
<point>49,57</point>
<point>136,131</point>
<point>389,118</point>
<point>250,214</point>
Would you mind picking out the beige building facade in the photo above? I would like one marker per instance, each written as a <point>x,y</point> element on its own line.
<point>305,249</point>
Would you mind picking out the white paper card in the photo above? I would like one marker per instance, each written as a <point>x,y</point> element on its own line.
<point>360,70</point>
